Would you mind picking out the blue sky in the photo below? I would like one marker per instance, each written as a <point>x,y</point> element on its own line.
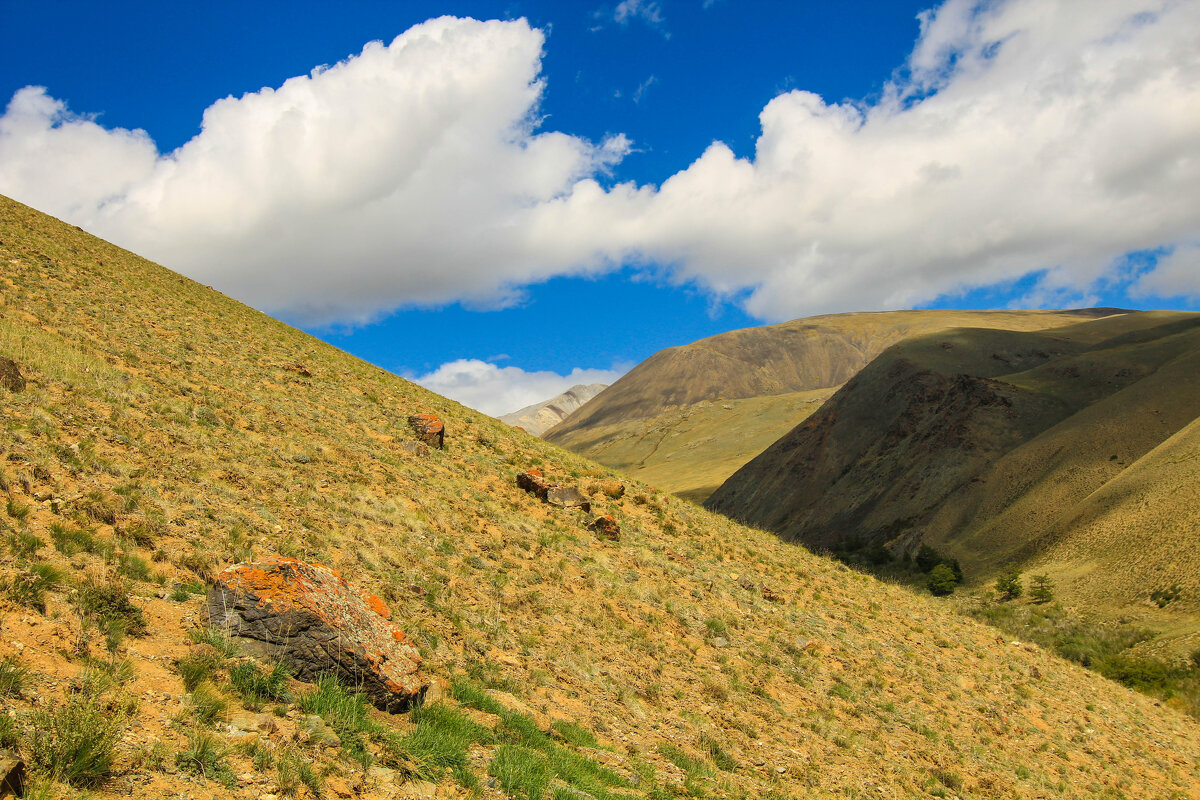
<point>553,194</point>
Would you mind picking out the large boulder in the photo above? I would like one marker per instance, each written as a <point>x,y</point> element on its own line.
<point>308,616</point>
<point>429,429</point>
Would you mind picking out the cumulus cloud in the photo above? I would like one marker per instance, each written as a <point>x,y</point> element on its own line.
<point>1028,137</point>
<point>403,175</point>
<point>498,390</point>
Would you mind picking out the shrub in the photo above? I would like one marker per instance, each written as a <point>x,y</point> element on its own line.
<point>12,677</point>
<point>1164,597</point>
<point>28,588</point>
<point>927,558</point>
<point>1041,590</point>
<point>76,742</point>
<point>205,757</point>
<point>70,541</point>
<point>294,770</point>
<point>208,705</point>
<point>942,580</point>
<point>1009,584</point>
<point>107,604</point>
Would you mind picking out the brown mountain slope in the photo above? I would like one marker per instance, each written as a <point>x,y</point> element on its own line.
<point>994,446</point>
<point>166,431</point>
<point>688,417</point>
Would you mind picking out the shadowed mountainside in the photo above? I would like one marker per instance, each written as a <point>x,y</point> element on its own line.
<point>1071,450</point>
<point>688,417</point>
<point>166,431</point>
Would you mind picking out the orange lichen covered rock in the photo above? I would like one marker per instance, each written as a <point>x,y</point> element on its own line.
<point>429,429</point>
<point>308,616</point>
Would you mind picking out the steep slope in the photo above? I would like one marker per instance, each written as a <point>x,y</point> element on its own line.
<point>540,417</point>
<point>688,417</point>
<point>166,431</point>
<point>996,445</point>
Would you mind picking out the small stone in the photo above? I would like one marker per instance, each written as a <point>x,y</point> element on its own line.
<point>781,770</point>
<point>606,527</point>
<point>567,497</point>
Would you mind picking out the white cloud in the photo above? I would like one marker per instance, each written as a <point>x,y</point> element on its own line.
<point>648,12</point>
<point>501,390</point>
<point>404,175</point>
<point>1023,137</point>
<point>1177,274</point>
<point>1026,136</point>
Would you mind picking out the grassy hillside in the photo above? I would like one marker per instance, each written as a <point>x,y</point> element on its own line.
<point>166,431</point>
<point>1066,451</point>
<point>688,417</point>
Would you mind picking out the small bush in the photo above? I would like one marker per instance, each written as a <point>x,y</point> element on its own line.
<point>942,580</point>
<point>71,540</point>
<point>294,770</point>
<point>76,741</point>
<point>13,675</point>
<point>205,757</point>
<point>1164,597</point>
<point>208,705</point>
<point>198,666</point>
<point>1041,590</point>
<point>106,603</point>
<point>1008,585</point>
<point>9,735</point>
<point>216,639</point>
<point>133,566</point>
<point>28,588</point>
<point>16,509</point>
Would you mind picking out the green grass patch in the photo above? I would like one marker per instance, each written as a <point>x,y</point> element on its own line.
<point>255,686</point>
<point>439,743</point>
<point>522,772</point>
<point>574,734</point>
<point>686,762</point>
<point>346,712</point>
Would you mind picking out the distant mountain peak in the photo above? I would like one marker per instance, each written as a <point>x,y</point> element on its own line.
<point>541,417</point>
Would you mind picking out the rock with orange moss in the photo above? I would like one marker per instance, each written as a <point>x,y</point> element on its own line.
<point>307,615</point>
<point>429,429</point>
